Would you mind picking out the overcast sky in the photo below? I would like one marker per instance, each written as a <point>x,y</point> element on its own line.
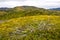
<point>37,3</point>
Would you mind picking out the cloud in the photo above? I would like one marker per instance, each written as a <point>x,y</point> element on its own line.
<point>11,0</point>
<point>37,3</point>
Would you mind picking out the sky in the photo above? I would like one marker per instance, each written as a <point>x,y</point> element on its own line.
<point>37,3</point>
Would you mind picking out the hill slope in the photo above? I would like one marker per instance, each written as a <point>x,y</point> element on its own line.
<point>22,11</point>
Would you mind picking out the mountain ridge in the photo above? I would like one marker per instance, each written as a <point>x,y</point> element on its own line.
<point>25,7</point>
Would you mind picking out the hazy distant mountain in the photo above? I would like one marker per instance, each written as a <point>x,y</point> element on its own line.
<point>4,8</point>
<point>55,9</point>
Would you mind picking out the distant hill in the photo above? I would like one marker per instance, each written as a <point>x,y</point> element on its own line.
<point>20,7</point>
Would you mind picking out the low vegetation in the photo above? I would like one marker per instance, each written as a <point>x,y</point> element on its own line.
<point>31,28</point>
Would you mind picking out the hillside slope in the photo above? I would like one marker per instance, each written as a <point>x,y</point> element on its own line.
<point>21,11</point>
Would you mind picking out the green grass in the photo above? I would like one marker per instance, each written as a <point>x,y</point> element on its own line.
<point>42,27</point>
